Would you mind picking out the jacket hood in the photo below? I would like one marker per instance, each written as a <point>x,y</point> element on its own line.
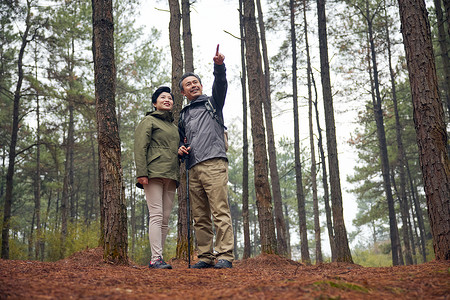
<point>162,114</point>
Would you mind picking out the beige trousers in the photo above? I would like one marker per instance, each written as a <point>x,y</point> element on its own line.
<point>208,192</point>
<point>159,193</point>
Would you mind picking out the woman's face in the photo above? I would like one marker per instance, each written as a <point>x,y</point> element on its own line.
<point>164,102</point>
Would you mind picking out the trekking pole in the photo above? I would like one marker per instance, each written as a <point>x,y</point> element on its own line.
<point>188,209</point>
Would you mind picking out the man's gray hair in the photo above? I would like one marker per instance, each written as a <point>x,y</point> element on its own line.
<point>185,75</point>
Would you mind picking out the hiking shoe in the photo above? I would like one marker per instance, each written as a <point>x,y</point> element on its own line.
<point>223,264</point>
<point>202,265</point>
<point>159,264</point>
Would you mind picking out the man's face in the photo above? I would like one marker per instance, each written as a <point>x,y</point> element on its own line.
<point>192,88</point>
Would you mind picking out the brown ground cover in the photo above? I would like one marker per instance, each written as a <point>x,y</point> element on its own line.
<point>85,276</point>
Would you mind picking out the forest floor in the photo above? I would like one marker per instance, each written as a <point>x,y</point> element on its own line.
<point>84,275</point>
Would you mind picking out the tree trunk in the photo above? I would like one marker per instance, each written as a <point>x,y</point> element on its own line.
<point>95,182</point>
<point>37,181</point>
<point>275,178</point>
<point>245,215</point>
<point>2,179</point>
<point>177,57</point>
<point>418,213</point>
<point>256,239</point>
<point>326,194</point>
<point>234,210</point>
<point>133,215</point>
<point>182,251</point>
<point>288,236</point>
<point>411,234</point>
<point>189,67</point>
<point>112,195</point>
<point>443,45</point>
<point>261,178</point>
<point>447,14</point>
<point>429,121</point>
<point>340,233</point>
<point>87,196</point>
<point>405,230</point>
<point>401,158</point>
<point>378,114</point>
<point>13,142</point>
<point>187,36</point>
<point>318,241</point>
<point>67,193</point>
<point>37,188</point>
<point>304,250</point>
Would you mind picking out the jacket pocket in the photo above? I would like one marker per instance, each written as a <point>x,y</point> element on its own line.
<point>153,158</point>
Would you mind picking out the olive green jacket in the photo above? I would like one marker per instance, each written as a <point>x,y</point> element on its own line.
<point>156,147</point>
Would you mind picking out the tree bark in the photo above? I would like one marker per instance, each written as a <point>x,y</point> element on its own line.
<point>443,45</point>
<point>182,251</point>
<point>189,67</point>
<point>245,196</point>
<point>418,213</point>
<point>319,258</point>
<point>381,134</point>
<point>401,157</point>
<point>275,178</point>
<point>304,249</point>
<point>187,36</point>
<point>133,215</point>
<point>13,142</point>
<point>288,240</point>
<point>37,182</point>
<point>326,193</point>
<point>343,253</point>
<point>261,178</point>
<point>447,14</point>
<point>114,238</point>
<point>67,193</point>
<point>429,121</point>
<point>95,182</point>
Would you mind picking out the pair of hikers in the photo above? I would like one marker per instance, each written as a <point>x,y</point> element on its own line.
<point>159,146</point>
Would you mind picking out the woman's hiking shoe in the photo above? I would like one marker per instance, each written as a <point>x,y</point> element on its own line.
<point>223,264</point>
<point>159,264</point>
<point>202,265</point>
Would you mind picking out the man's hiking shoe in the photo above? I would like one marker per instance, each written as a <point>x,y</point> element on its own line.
<point>202,265</point>
<point>159,264</point>
<point>223,264</point>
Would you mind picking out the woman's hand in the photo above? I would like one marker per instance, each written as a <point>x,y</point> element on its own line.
<point>143,180</point>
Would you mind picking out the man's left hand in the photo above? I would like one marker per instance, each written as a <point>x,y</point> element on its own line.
<point>219,57</point>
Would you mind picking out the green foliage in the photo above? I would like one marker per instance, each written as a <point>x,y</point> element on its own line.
<point>80,237</point>
<point>142,253</point>
<point>367,181</point>
<point>379,255</point>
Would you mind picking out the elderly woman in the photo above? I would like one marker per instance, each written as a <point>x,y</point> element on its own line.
<point>156,158</point>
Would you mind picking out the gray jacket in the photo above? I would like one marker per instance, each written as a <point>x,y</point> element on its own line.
<point>204,134</point>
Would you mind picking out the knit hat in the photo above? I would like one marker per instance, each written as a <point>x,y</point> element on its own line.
<point>158,92</point>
